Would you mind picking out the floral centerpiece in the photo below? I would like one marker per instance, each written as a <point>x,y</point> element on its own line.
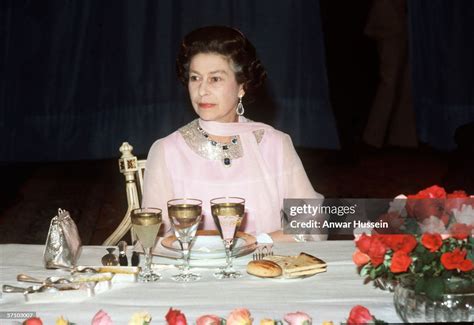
<point>428,263</point>
<point>429,248</point>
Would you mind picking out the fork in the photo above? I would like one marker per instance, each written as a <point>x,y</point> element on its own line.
<point>262,252</point>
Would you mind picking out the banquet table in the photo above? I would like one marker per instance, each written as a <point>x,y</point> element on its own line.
<point>325,296</point>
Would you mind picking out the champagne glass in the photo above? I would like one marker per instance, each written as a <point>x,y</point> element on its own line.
<point>228,213</point>
<point>146,223</point>
<point>185,215</point>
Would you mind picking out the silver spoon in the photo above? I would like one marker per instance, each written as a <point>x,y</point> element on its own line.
<point>48,280</point>
<point>32,289</point>
<point>83,270</point>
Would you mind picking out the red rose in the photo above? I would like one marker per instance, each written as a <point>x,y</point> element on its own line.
<point>359,258</point>
<point>404,243</point>
<point>175,317</point>
<point>456,260</point>
<point>363,244</point>
<point>394,221</point>
<point>374,247</point>
<point>423,208</point>
<point>359,315</point>
<point>460,231</point>
<point>33,321</point>
<point>457,194</point>
<point>466,265</point>
<point>400,262</point>
<point>426,203</point>
<point>377,251</point>
<point>432,242</point>
<point>434,191</point>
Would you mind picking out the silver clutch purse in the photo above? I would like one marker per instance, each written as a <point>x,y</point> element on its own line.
<point>63,244</point>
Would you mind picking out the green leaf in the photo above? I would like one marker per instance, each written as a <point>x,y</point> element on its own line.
<point>381,269</point>
<point>372,274</point>
<point>365,270</point>
<point>419,266</point>
<point>470,254</point>
<point>429,257</point>
<point>420,249</point>
<point>434,288</point>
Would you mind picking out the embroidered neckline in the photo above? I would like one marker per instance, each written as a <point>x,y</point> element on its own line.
<point>214,150</point>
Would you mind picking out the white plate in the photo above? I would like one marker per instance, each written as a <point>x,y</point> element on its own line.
<point>208,245</point>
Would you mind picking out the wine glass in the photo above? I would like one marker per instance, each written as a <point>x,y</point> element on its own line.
<point>185,215</point>
<point>228,213</point>
<point>146,223</point>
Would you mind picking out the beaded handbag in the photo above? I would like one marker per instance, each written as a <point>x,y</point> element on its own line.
<point>63,244</point>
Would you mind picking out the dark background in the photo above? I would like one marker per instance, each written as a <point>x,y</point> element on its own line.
<point>80,77</point>
<point>83,76</point>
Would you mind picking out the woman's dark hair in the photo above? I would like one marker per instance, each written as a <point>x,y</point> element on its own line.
<point>228,42</point>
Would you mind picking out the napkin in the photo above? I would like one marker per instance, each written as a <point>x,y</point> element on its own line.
<point>264,238</point>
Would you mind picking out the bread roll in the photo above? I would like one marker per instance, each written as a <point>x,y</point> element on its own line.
<point>264,269</point>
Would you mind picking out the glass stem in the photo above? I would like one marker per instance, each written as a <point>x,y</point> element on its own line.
<point>148,259</point>
<point>228,256</point>
<point>185,249</point>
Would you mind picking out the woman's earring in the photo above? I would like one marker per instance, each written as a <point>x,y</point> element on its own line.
<point>240,108</point>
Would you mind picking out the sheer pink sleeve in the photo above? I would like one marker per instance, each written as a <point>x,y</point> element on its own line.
<point>296,183</point>
<point>157,185</point>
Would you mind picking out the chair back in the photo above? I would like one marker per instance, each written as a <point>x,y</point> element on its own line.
<point>133,170</point>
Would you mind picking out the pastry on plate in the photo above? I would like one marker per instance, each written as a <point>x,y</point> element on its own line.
<point>298,266</point>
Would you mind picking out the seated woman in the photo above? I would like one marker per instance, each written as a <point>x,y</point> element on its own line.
<point>222,153</point>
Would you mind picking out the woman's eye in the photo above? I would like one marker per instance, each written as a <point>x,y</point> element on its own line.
<point>193,78</point>
<point>216,79</point>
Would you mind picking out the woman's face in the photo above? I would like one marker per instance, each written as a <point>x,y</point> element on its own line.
<point>213,90</point>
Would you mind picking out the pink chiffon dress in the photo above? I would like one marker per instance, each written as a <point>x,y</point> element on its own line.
<point>260,165</point>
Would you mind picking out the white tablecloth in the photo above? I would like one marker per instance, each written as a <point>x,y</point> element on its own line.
<point>326,296</point>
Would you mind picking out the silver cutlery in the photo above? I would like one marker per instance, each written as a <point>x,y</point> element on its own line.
<point>49,280</point>
<point>82,269</point>
<point>32,289</point>
<point>262,251</point>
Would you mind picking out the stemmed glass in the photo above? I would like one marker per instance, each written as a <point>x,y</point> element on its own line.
<point>185,215</point>
<point>146,223</point>
<point>228,213</point>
